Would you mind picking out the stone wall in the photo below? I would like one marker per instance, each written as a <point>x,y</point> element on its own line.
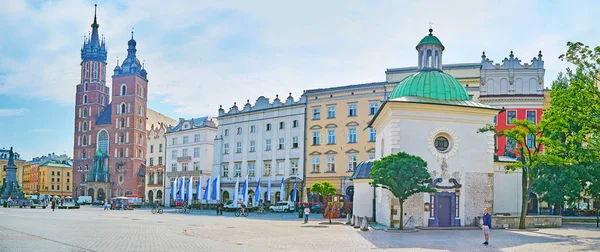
<point>412,207</point>
<point>477,194</point>
<point>512,222</point>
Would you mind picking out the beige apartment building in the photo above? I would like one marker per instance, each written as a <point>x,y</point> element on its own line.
<point>336,119</point>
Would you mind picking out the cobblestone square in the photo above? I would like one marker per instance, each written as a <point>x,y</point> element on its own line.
<point>92,229</point>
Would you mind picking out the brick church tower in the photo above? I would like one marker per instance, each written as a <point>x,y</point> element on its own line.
<point>92,97</point>
<point>110,147</point>
<point>129,101</point>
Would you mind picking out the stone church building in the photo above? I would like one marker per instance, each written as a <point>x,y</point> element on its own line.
<point>430,114</point>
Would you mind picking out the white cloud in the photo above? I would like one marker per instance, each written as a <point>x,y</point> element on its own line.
<point>12,112</point>
<point>202,55</point>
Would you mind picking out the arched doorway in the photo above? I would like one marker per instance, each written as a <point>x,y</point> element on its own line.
<point>277,195</point>
<point>532,204</point>
<point>225,197</point>
<point>250,197</point>
<point>350,193</point>
<point>91,193</point>
<point>101,194</point>
<point>150,196</point>
<point>159,195</point>
<point>297,198</point>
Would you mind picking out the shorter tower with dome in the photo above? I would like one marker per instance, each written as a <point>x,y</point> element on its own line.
<point>430,114</point>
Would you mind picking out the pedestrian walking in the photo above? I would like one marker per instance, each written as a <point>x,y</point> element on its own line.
<point>220,208</point>
<point>53,205</point>
<point>306,213</point>
<point>487,224</point>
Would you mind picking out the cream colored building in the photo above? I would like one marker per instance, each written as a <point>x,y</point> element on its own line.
<point>156,127</point>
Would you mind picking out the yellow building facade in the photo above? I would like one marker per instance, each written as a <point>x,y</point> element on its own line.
<point>336,119</point>
<point>30,178</point>
<point>56,178</point>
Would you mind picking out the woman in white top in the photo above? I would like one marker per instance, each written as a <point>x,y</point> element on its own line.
<point>306,213</point>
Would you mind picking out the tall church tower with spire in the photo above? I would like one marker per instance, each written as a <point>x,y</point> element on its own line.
<point>91,98</point>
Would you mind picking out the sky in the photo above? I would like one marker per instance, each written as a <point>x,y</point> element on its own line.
<point>202,54</point>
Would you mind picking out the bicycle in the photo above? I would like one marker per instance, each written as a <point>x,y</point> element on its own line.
<point>261,210</point>
<point>184,210</point>
<point>155,210</point>
<point>239,212</point>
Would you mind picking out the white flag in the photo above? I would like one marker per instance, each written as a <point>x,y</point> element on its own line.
<point>236,191</point>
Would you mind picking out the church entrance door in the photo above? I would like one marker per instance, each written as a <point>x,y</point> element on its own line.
<point>444,211</point>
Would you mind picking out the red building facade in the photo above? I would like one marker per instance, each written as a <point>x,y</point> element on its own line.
<point>109,145</point>
<point>519,89</point>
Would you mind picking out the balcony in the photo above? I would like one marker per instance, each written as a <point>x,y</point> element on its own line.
<point>184,159</point>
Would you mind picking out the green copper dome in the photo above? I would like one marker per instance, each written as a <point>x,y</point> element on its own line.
<point>430,40</point>
<point>433,84</point>
<point>99,153</point>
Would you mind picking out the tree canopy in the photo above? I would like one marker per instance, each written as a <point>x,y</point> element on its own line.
<point>403,175</point>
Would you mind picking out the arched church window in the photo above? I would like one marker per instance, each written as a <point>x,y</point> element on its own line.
<point>123,89</point>
<point>437,59</point>
<point>429,58</point>
<point>82,177</point>
<point>122,138</point>
<point>101,99</point>
<point>122,121</point>
<point>84,142</point>
<point>87,167</point>
<point>103,141</point>
<point>85,112</point>
<point>123,108</point>
<point>85,127</point>
<point>121,152</point>
<point>85,86</point>
<point>85,99</point>
<point>421,58</point>
<point>95,70</point>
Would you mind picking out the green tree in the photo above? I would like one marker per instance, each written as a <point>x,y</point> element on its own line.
<point>528,154</point>
<point>325,189</point>
<point>571,127</point>
<point>403,175</point>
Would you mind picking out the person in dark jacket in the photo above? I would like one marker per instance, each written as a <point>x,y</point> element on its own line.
<point>487,224</point>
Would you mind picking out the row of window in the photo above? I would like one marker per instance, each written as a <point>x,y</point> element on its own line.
<point>151,179</point>
<point>352,111</point>
<point>185,166</point>
<point>85,97</point>
<point>184,153</point>
<point>123,123</point>
<point>58,174</point>
<point>512,114</point>
<point>186,139</point>
<point>331,136</point>
<point>352,162</point>
<point>160,161</point>
<point>58,180</point>
<point>160,148</point>
<point>237,172</point>
<point>252,148</point>
<point>268,127</point>
<point>87,67</point>
<point>57,188</point>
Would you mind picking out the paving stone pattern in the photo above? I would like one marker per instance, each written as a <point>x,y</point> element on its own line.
<point>92,229</point>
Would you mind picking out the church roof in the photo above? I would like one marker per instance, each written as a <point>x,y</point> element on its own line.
<point>105,116</point>
<point>363,170</point>
<point>430,83</point>
<point>430,40</point>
